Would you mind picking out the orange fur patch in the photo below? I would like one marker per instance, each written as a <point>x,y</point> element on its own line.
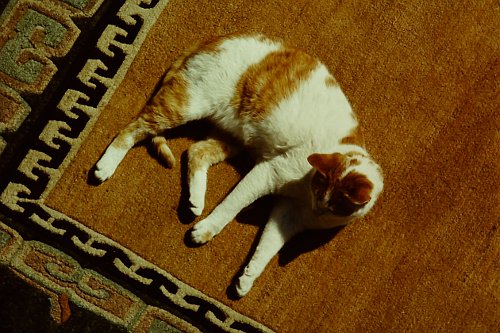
<point>356,137</point>
<point>166,108</point>
<point>357,187</point>
<point>148,123</point>
<point>327,163</point>
<point>348,193</point>
<point>267,83</point>
<point>163,151</point>
<point>207,153</point>
<point>331,82</point>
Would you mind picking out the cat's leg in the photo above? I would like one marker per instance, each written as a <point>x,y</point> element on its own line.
<point>283,224</point>
<point>138,130</point>
<point>166,110</point>
<point>163,150</point>
<point>257,183</point>
<point>202,155</point>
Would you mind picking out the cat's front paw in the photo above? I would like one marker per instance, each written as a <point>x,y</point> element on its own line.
<point>244,285</point>
<point>202,232</point>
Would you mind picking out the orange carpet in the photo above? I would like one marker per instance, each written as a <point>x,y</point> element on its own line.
<point>423,79</point>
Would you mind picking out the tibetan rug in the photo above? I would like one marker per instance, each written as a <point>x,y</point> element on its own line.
<point>423,77</point>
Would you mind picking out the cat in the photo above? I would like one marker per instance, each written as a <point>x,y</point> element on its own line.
<point>283,106</point>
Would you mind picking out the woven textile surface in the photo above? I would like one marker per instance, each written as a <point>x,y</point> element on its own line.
<point>423,79</point>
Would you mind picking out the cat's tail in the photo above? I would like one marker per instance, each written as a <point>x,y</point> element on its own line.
<point>163,151</point>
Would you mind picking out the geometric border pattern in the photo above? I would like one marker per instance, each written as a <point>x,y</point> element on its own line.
<point>56,143</point>
<point>63,280</point>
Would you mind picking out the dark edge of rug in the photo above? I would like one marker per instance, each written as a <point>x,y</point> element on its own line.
<point>50,98</point>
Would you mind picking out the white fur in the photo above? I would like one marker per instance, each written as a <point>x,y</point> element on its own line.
<point>213,77</point>
<point>283,223</point>
<point>313,119</point>
<point>107,165</point>
<point>197,190</point>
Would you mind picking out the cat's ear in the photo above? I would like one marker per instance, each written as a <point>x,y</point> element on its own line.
<point>325,163</point>
<point>357,188</point>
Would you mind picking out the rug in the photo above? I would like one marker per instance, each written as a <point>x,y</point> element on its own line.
<point>423,79</point>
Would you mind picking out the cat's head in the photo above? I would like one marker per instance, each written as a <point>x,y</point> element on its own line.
<point>344,185</point>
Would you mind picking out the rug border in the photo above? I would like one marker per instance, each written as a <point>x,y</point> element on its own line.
<point>17,196</point>
<point>59,269</point>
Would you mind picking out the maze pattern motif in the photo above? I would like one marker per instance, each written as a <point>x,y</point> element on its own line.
<point>34,39</point>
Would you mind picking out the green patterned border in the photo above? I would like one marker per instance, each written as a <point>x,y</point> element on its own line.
<point>34,36</point>
<point>63,280</point>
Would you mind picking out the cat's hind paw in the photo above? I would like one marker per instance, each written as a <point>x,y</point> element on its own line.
<point>108,163</point>
<point>103,172</point>
<point>197,190</point>
<point>202,233</point>
<point>196,210</point>
<point>197,202</point>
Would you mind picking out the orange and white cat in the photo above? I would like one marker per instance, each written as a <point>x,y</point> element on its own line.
<point>284,107</point>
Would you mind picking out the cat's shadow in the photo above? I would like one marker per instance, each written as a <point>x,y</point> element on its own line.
<point>257,214</point>
<point>306,241</point>
<point>184,212</point>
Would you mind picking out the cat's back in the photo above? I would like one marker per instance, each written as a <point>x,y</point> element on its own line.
<point>214,68</point>
<point>290,99</point>
<point>267,93</point>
